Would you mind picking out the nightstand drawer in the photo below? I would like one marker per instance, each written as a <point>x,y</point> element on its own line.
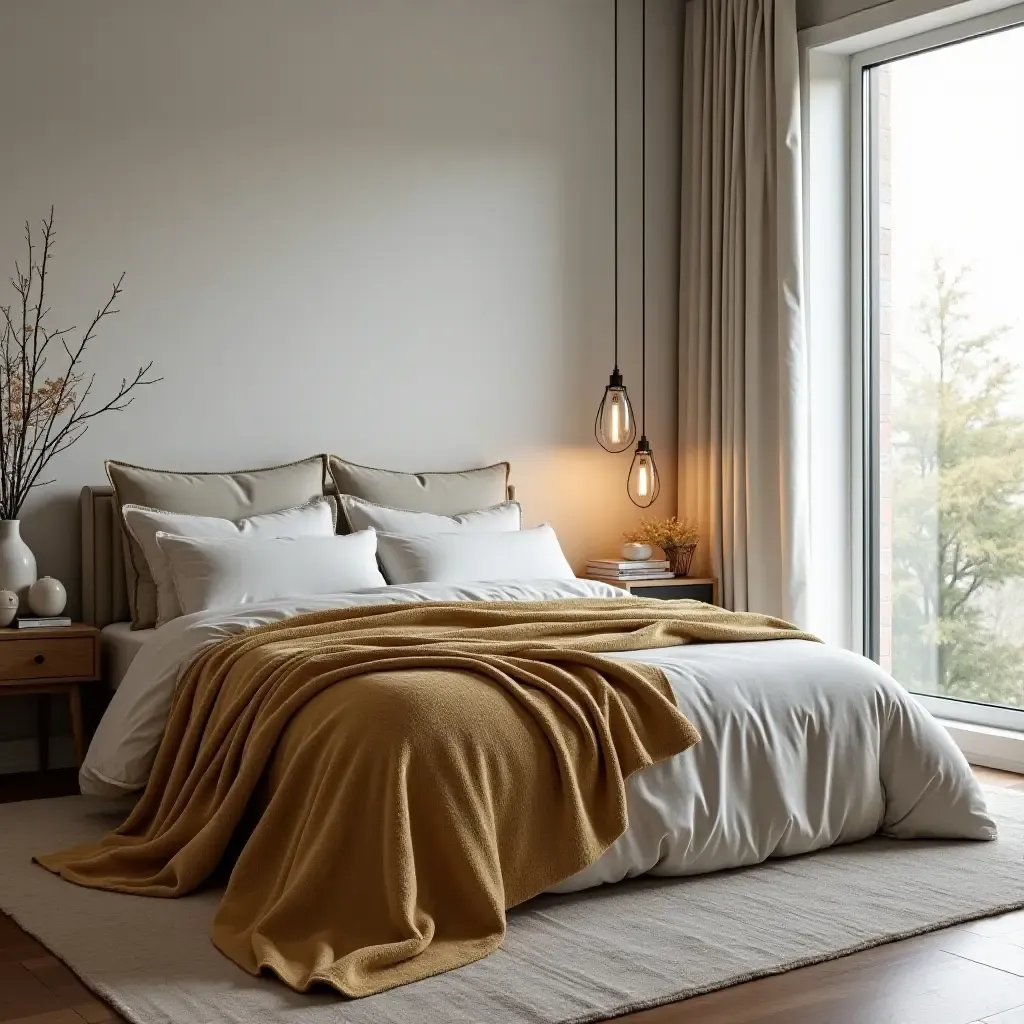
<point>678,591</point>
<point>47,658</point>
<point>674,589</point>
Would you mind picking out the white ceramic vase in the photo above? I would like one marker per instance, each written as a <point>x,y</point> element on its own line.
<point>47,597</point>
<point>17,563</point>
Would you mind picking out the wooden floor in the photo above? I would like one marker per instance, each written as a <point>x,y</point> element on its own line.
<point>964,975</point>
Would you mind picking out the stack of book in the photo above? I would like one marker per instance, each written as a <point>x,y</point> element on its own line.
<point>621,569</point>
<point>41,621</point>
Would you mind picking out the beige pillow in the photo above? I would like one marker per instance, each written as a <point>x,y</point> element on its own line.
<point>446,494</point>
<point>225,495</point>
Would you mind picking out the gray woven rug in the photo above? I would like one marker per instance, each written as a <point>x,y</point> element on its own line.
<point>569,958</point>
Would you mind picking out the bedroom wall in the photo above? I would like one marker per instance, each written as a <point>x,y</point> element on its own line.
<point>378,227</point>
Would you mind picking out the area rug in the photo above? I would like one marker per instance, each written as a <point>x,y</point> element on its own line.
<point>566,959</point>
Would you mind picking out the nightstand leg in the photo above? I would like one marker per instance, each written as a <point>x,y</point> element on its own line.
<point>77,727</point>
<point>43,730</point>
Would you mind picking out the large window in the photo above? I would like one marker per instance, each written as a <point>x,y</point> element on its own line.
<point>939,206</point>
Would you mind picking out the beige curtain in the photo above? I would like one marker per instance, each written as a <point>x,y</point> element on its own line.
<point>743,422</point>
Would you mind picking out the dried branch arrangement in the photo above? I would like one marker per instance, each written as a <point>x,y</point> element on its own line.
<point>43,415</point>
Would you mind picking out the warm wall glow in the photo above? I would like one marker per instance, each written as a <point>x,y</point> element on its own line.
<point>578,489</point>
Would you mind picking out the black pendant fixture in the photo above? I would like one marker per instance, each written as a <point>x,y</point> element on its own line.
<point>615,426</point>
<point>643,484</point>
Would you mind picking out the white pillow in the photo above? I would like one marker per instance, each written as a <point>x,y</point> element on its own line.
<point>313,519</point>
<point>468,555</point>
<point>367,515</point>
<point>223,572</point>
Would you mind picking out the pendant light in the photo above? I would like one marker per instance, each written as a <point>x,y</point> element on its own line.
<point>643,484</point>
<point>615,426</point>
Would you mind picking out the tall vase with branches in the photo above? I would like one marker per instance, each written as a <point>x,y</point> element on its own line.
<point>44,409</point>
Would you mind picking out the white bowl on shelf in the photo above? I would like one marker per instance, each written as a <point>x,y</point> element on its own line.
<point>634,552</point>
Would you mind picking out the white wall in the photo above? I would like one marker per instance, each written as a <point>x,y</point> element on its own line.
<point>376,227</point>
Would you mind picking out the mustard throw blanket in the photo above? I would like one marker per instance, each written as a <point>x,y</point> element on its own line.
<point>397,776</point>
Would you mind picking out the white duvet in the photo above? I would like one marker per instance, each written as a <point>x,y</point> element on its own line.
<point>803,745</point>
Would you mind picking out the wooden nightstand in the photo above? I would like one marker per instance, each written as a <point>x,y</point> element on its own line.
<point>46,661</point>
<point>670,590</point>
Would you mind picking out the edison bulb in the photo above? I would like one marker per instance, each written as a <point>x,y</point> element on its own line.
<point>615,428</point>
<point>643,484</point>
<point>615,419</point>
<point>643,477</point>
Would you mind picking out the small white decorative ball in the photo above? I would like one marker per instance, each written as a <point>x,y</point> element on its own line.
<point>47,596</point>
<point>636,552</point>
<point>8,607</point>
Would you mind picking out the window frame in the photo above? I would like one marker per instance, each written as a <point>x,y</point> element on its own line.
<point>864,333</point>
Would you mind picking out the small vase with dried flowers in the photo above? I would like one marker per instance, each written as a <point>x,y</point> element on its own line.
<point>43,410</point>
<point>676,537</point>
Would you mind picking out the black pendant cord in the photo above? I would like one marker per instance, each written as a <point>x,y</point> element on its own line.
<point>615,301</point>
<point>615,423</point>
<point>643,484</point>
<point>643,219</point>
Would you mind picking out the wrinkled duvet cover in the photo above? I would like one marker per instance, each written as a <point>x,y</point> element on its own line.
<point>802,745</point>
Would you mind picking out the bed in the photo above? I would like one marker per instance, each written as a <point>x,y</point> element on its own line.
<point>119,644</point>
<point>802,746</point>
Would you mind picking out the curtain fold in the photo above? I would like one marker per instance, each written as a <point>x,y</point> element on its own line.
<point>743,403</point>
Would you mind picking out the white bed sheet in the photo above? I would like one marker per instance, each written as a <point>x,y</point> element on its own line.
<point>803,745</point>
<point>119,644</point>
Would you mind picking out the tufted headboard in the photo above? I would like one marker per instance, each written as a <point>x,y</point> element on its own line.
<point>104,589</point>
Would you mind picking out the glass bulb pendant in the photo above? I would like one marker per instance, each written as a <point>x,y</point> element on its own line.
<point>643,485</point>
<point>614,427</point>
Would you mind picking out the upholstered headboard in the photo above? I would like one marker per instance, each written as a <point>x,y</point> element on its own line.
<point>104,590</point>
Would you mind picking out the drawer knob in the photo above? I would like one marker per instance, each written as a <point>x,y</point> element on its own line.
<point>40,658</point>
